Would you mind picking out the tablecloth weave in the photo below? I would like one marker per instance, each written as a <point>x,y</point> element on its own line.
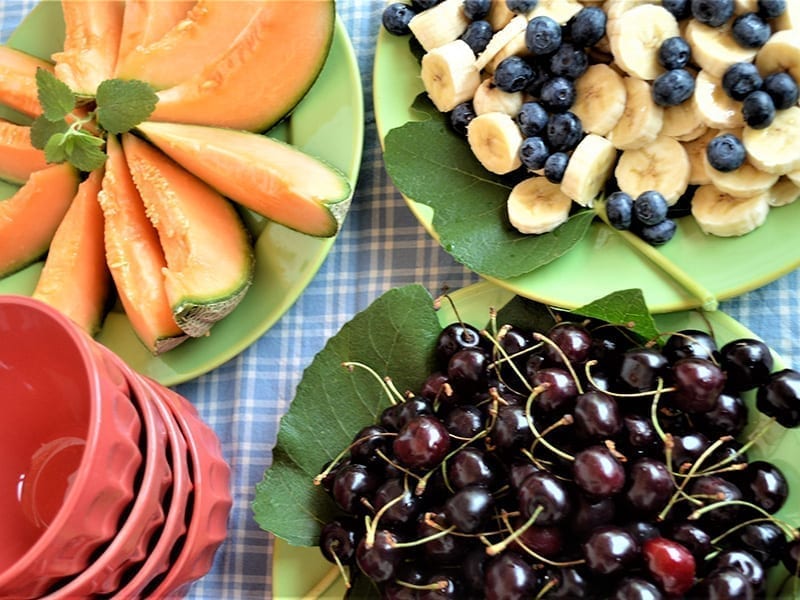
<point>381,246</point>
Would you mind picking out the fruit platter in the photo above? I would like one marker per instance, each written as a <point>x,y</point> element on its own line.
<point>270,257</point>
<point>441,480</point>
<point>562,239</point>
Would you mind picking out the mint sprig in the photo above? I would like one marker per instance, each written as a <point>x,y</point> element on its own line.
<point>119,106</point>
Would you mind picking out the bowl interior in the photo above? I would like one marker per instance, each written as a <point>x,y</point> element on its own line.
<point>47,388</point>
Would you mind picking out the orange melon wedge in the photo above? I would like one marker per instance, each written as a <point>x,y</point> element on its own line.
<point>18,158</point>
<point>18,80</point>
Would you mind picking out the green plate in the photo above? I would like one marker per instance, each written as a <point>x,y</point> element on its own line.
<point>603,262</point>
<point>296,570</point>
<point>328,123</point>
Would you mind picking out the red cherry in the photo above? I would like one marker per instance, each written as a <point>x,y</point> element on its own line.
<point>670,564</point>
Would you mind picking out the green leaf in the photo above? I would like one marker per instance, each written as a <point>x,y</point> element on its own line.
<point>122,104</point>
<point>626,308</point>
<point>42,130</point>
<point>55,150</point>
<point>56,98</point>
<point>85,154</point>
<point>431,164</point>
<point>395,336</point>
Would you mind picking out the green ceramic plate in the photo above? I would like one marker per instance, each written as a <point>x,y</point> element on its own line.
<point>603,262</point>
<point>296,570</point>
<point>328,123</point>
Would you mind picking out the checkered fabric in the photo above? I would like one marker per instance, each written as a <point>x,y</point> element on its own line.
<point>381,246</point>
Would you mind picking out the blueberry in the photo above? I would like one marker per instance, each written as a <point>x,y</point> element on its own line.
<point>533,152</point>
<point>395,18</point>
<point>555,165</point>
<point>650,208</point>
<point>477,35</point>
<point>783,90</point>
<point>521,7</point>
<point>758,110</point>
<point>532,119</point>
<point>558,94</point>
<point>512,74</point>
<point>569,61</point>
<point>680,9</point>
<point>769,9</point>
<point>475,10</point>
<point>725,152</point>
<point>659,234</point>
<point>542,35</point>
<point>420,5</point>
<point>750,31</point>
<point>587,26</point>
<point>712,12</point>
<point>673,87</point>
<point>461,116</point>
<point>540,76</point>
<point>740,79</point>
<point>619,210</point>
<point>564,131</point>
<point>674,53</point>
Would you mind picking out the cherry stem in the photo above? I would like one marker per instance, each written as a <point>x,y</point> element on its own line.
<point>497,548</point>
<point>428,538</point>
<point>565,420</point>
<point>654,410</point>
<point>318,479</point>
<point>546,588</point>
<point>437,303</point>
<point>790,532</point>
<point>529,418</point>
<point>737,527</point>
<point>754,437</point>
<point>388,387</point>
<point>505,356</point>
<point>341,567</point>
<point>400,468</point>
<point>543,338</point>
<point>536,555</point>
<point>372,524</point>
<point>435,586</point>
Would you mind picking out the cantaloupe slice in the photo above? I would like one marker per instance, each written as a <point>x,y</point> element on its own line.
<point>18,80</point>
<point>18,157</point>
<point>146,21</point>
<point>262,76</point>
<point>91,42</point>
<point>209,257</point>
<point>134,256</point>
<point>208,30</point>
<point>75,278</point>
<point>29,218</point>
<point>269,177</point>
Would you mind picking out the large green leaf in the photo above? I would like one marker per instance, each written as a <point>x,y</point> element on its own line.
<point>625,308</point>
<point>432,165</point>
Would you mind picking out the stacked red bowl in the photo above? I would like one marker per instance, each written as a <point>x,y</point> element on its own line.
<point>111,483</point>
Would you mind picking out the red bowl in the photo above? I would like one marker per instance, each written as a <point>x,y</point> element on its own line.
<point>69,442</point>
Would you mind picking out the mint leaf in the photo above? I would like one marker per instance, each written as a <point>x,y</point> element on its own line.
<point>395,336</point>
<point>55,150</point>
<point>42,130</point>
<point>122,104</point>
<point>56,98</point>
<point>432,165</point>
<point>625,308</point>
<point>84,152</point>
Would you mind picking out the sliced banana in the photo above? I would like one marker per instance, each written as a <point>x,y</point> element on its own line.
<point>495,139</point>
<point>449,74</point>
<point>716,108</point>
<point>776,148</point>
<point>560,11</point>
<point>637,36</point>
<point>641,120</point>
<point>795,177</point>
<point>790,19</point>
<point>600,99</point>
<point>537,206</point>
<point>741,7</point>
<point>490,98</point>
<point>696,150</point>
<point>615,8</point>
<point>714,49</point>
<point>780,53</point>
<point>662,165</point>
<point>440,24</point>
<point>588,169</point>
<point>720,214</point>
<point>683,122</point>
<point>784,192</point>
<point>515,47</point>
<point>500,40</point>
<point>744,182</point>
<point>499,14</point>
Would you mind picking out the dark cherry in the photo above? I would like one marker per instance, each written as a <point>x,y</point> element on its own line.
<point>469,508</point>
<point>693,538</point>
<point>635,588</point>
<point>728,416</point>
<point>698,383</point>
<point>670,564</point>
<point>559,396</point>
<point>650,486</point>
<point>790,557</point>
<point>338,540</point>
<point>473,569</point>
<point>641,531</point>
<point>545,540</point>
<point>380,560</point>
<point>568,583</point>
<point>688,448</point>
<point>711,489</point>
<point>467,370</point>
<point>639,435</point>
<point>543,490</point>
<point>447,549</point>
<point>508,575</point>
<point>747,363</point>
<point>464,422</point>
<point>597,472</point>
<point>422,443</point>
<point>449,588</point>
<point>401,512</point>
<point>470,466</point>
<point>433,389</point>
<point>589,514</point>
<point>511,431</point>
<point>597,416</point>
<point>395,417</point>
<point>519,472</point>
<point>608,346</point>
<point>453,338</point>
<point>610,551</point>
<point>641,368</point>
<point>780,397</point>
<point>725,584</point>
<point>746,564</point>
<point>366,444</point>
<point>574,341</point>
<point>690,343</point>
<point>764,484</point>
<point>352,483</point>
<point>765,541</point>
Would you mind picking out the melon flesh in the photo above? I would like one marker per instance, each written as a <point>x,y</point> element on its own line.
<point>146,21</point>
<point>91,43</point>
<point>269,177</point>
<point>209,258</point>
<point>18,80</point>
<point>202,37</point>
<point>74,278</point>
<point>29,218</point>
<point>262,75</point>
<point>134,256</point>
<point>18,157</point>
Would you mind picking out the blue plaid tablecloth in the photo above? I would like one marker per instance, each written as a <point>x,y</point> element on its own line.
<point>381,246</point>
